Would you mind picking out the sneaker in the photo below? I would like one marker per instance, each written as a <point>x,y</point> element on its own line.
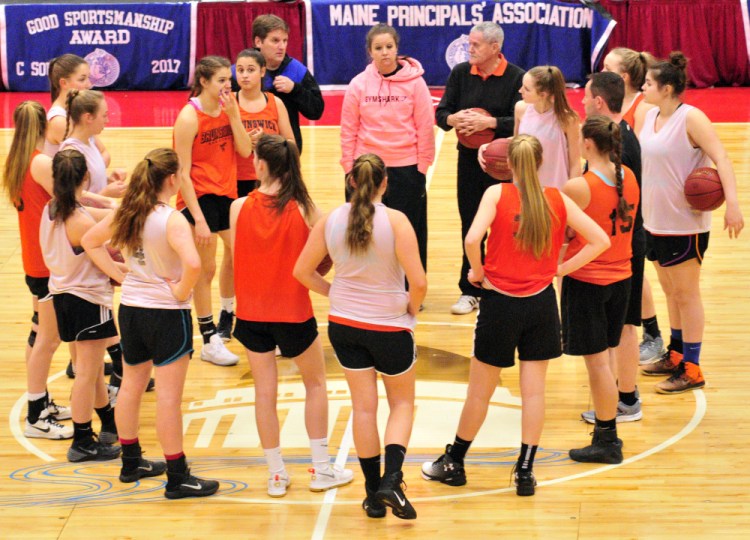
<point>329,477</point>
<point>524,481</point>
<point>372,506</point>
<point>217,353</point>
<point>605,447</point>
<point>444,470</point>
<point>688,376</point>
<point>144,469</point>
<point>277,484</point>
<point>226,323</point>
<point>59,412</point>
<point>465,304</point>
<point>181,485</point>
<point>666,365</point>
<point>92,450</point>
<point>47,428</point>
<point>651,349</point>
<point>391,494</point>
<point>108,437</point>
<point>625,413</point>
<point>70,371</point>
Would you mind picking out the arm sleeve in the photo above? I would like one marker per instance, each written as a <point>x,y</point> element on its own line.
<point>423,119</point>
<point>449,102</point>
<point>307,97</point>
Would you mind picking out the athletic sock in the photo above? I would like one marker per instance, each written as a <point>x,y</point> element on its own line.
<point>371,469</point>
<point>675,340</point>
<point>115,353</point>
<point>176,465</point>
<point>37,404</point>
<point>651,327</point>
<point>526,457</point>
<point>227,304</point>
<point>692,352</point>
<point>274,460</point>
<point>107,415</point>
<point>394,458</point>
<point>82,432</point>
<point>606,424</point>
<point>458,450</point>
<point>628,398</point>
<point>319,452</point>
<point>207,327</point>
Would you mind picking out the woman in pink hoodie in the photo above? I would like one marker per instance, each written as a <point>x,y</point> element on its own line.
<point>388,111</point>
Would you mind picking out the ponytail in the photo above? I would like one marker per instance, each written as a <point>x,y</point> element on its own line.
<point>605,134</point>
<point>282,159</point>
<point>30,122</point>
<point>535,228</point>
<point>366,177</point>
<point>68,171</point>
<point>550,80</point>
<point>146,182</point>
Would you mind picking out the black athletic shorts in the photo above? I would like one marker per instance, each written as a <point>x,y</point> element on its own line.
<point>39,287</point>
<point>637,263</point>
<point>215,209</point>
<point>161,335</point>
<point>592,315</point>
<point>389,353</point>
<point>292,339</point>
<point>674,250</point>
<point>505,323</point>
<point>80,320</point>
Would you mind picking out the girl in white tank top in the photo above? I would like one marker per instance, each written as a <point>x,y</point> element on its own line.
<point>66,72</point>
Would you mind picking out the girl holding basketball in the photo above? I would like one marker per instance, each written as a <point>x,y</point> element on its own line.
<point>371,321</point>
<point>387,110</point>
<point>269,228</point>
<point>677,138</point>
<point>631,66</point>
<point>208,135</point>
<point>154,316</point>
<point>519,308</point>
<point>82,297</point>
<point>27,179</point>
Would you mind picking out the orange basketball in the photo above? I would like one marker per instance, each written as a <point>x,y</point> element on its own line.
<point>703,189</point>
<point>496,159</point>
<point>477,139</point>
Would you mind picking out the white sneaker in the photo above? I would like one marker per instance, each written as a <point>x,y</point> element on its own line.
<point>60,412</point>
<point>217,353</point>
<point>465,304</point>
<point>277,484</point>
<point>329,478</point>
<point>47,428</point>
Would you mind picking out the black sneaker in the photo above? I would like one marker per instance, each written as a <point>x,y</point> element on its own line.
<point>108,436</point>
<point>226,322</point>
<point>181,485</point>
<point>605,447</point>
<point>373,506</point>
<point>71,373</point>
<point>92,450</point>
<point>143,469</point>
<point>524,481</point>
<point>445,469</point>
<point>391,494</point>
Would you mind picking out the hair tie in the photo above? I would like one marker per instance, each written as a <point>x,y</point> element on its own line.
<point>148,162</point>
<point>549,70</point>
<point>286,143</point>
<point>611,127</point>
<point>642,58</point>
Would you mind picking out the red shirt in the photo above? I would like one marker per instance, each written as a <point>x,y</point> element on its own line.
<point>508,267</point>
<point>614,264</point>
<point>268,121</point>
<point>266,248</point>
<point>629,115</point>
<point>30,207</point>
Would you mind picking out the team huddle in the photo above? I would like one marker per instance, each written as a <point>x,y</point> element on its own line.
<point>235,171</point>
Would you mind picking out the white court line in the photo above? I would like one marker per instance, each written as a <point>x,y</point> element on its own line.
<point>15,428</point>
<point>321,524</point>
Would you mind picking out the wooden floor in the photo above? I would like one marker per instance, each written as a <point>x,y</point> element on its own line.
<point>687,467</point>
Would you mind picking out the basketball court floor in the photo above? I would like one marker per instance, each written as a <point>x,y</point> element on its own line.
<point>686,472</point>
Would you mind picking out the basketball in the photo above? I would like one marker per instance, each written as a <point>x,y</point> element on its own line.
<point>477,139</point>
<point>703,189</point>
<point>496,159</point>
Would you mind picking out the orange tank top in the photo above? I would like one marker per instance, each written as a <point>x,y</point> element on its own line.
<point>266,248</point>
<point>214,162</point>
<point>629,115</point>
<point>30,207</point>
<point>614,264</point>
<point>268,121</point>
<point>525,275</point>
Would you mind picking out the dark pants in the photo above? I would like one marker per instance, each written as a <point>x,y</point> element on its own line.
<point>471,185</point>
<point>407,193</point>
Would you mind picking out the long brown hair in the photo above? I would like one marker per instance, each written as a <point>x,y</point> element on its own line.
<point>81,102</point>
<point>69,171</point>
<point>605,134</point>
<point>550,79</point>
<point>31,122</point>
<point>282,158</point>
<point>535,228</point>
<point>635,64</point>
<point>365,178</point>
<point>141,196</point>
<point>62,67</point>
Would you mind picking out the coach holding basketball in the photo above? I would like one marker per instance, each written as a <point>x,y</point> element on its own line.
<point>487,81</point>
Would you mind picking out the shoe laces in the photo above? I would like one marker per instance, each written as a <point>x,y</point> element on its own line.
<point>51,420</point>
<point>678,374</point>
